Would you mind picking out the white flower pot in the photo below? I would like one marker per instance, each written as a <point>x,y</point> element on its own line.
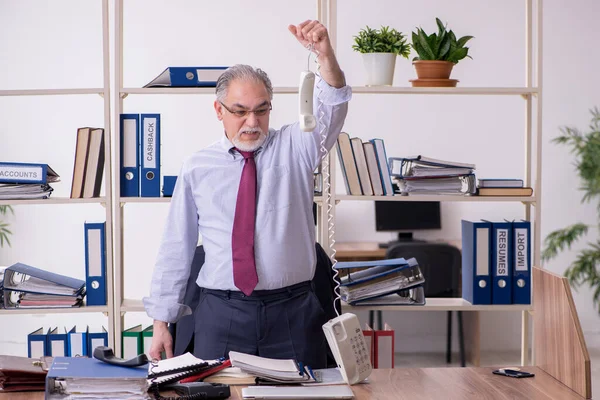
<point>380,68</point>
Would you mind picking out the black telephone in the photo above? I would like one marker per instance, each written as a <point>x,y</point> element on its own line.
<point>185,391</point>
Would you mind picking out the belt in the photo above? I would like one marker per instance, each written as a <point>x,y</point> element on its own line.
<point>262,295</point>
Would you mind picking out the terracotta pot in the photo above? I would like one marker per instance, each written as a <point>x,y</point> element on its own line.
<point>427,69</point>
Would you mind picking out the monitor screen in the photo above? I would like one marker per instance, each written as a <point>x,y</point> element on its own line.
<point>407,215</point>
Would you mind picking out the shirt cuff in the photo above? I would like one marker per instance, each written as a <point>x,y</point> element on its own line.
<point>332,96</point>
<point>158,311</point>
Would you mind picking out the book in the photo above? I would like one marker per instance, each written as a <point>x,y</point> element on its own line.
<point>94,169</point>
<point>505,191</point>
<point>80,163</point>
<point>231,376</point>
<point>503,183</point>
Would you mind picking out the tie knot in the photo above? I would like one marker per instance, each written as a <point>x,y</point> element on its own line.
<point>246,154</point>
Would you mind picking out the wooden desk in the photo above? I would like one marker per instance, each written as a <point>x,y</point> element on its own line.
<point>433,383</point>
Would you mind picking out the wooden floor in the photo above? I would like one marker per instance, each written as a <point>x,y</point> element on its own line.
<point>511,358</point>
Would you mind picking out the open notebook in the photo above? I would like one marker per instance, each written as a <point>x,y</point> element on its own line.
<point>176,368</point>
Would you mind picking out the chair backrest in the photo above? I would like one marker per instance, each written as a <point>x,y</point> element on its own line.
<point>440,263</point>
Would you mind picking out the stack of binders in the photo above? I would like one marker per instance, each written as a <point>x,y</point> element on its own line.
<point>26,181</point>
<point>25,286</point>
<point>424,175</point>
<point>366,281</point>
<point>496,262</point>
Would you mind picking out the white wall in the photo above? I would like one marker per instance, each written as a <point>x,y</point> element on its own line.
<point>45,46</point>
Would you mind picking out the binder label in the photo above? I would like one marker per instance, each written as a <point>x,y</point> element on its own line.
<point>21,173</point>
<point>502,252</point>
<point>521,249</point>
<point>483,251</point>
<point>129,143</point>
<point>149,144</point>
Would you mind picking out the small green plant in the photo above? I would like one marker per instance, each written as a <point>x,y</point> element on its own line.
<point>4,231</point>
<point>384,40</point>
<point>440,46</point>
<point>585,268</point>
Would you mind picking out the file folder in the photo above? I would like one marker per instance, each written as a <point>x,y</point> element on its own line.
<point>95,263</point>
<point>36,344</point>
<point>501,263</point>
<point>384,347</point>
<point>131,342</point>
<point>77,342</point>
<point>187,77</point>
<point>521,262</point>
<point>150,155</point>
<point>57,343</point>
<point>11,172</point>
<point>95,339</point>
<point>129,171</point>
<point>476,280</point>
<point>25,278</point>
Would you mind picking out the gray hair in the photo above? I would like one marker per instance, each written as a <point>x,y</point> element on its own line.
<point>245,73</point>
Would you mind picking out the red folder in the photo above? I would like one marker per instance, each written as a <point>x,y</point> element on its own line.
<point>208,372</point>
<point>384,347</point>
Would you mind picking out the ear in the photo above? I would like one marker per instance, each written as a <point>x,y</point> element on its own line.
<point>218,110</point>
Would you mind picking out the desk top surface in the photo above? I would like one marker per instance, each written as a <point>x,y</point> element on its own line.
<point>433,383</point>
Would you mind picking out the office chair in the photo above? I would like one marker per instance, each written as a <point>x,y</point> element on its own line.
<point>183,331</point>
<point>441,265</point>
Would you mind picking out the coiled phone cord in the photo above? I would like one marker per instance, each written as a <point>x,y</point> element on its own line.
<point>326,191</point>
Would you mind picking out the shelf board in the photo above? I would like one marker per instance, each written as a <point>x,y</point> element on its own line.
<point>194,90</point>
<point>444,90</point>
<point>433,304</point>
<point>355,89</point>
<point>431,197</point>
<point>54,200</point>
<point>440,304</point>
<point>124,200</point>
<point>73,310</point>
<point>51,92</point>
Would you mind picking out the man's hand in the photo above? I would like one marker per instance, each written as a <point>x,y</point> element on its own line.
<point>313,32</point>
<point>161,341</point>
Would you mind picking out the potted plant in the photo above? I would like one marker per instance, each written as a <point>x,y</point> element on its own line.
<point>379,48</point>
<point>4,232</point>
<point>437,54</point>
<point>585,269</point>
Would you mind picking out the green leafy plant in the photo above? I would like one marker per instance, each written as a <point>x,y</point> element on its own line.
<point>440,46</point>
<point>585,268</point>
<point>384,40</point>
<point>4,231</point>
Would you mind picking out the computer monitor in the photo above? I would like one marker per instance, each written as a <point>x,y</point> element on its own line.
<point>407,216</point>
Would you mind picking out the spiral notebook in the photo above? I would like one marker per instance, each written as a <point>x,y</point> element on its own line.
<point>176,368</point>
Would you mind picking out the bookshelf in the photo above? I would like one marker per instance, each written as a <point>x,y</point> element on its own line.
<point>530,93</point>
<point>53,204</point>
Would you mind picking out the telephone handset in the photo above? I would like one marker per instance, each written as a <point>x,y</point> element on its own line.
<point>307,120</point>
<point>349,347</point>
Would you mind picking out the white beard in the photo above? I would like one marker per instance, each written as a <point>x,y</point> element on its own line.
<point>245,145</point>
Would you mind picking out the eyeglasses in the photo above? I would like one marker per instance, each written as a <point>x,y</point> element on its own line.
<point>259,112</point>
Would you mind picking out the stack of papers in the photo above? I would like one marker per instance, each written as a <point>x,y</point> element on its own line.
<point>270,369</point>
<point>16,191</point>
<point>176,368</point>
<point>78,378</point>
<point>26,180</point>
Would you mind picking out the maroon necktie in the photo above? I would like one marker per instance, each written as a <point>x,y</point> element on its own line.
<point>242,237</point>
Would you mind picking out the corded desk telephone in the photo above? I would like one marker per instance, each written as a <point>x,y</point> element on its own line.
<point>343,333</point>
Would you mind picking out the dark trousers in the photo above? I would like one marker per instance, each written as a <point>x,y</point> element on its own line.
<point>283,323</point>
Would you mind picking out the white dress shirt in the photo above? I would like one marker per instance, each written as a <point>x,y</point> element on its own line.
<point>204,200</point>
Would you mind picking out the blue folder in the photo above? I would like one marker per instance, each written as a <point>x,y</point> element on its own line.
<point>187,77</point>
<point>77,342</point>
<point>150,155</point>
<point>130,155</point>
<point>95,339</point>
<point>11,172</point>
<point>521,265</point>
<point>501,262</point>
<point>476,279</point>
<point>95,263</point>
<point>57,343</point>
<point>73,286</point>
<point>36,344</point>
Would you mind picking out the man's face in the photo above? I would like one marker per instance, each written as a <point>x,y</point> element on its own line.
<point>245,114</point>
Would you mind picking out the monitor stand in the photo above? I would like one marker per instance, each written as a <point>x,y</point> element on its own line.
<point>403,237</point>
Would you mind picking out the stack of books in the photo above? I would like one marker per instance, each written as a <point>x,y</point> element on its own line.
<point>424,175</point>
<point>503,187</point>
<point>88,167</point>
<point>19,181</point>
<point>365,281</point>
